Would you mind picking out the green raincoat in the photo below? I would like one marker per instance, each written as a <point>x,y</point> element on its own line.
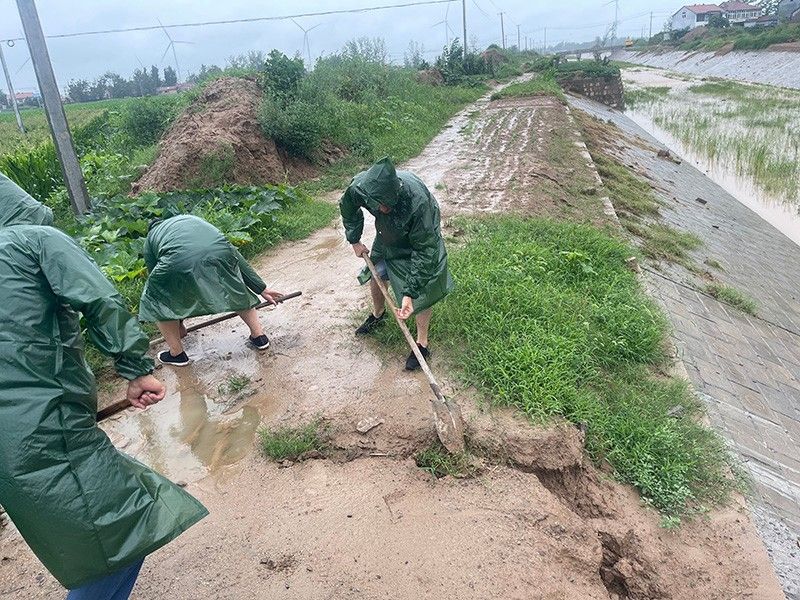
<point>194,271</point>
<point>409,238</point>
<point>84,508</point>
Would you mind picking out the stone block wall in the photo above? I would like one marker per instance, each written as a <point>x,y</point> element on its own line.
<point>606,90</point>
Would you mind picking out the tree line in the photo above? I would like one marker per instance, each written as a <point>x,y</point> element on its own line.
<point>143,82</point>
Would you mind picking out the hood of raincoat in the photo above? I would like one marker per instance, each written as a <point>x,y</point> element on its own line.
<point>379,184</point>
<point>17,207</point>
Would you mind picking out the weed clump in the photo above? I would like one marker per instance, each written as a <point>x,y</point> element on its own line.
<point>732,296</point>
<point>290,443</point>
<point>440,463</point>
<point>542,85</point>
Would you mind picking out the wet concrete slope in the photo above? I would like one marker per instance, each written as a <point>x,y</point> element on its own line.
<point>773,68</point>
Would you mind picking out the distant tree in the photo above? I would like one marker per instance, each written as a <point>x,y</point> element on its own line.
<point>117,86</point>
<point>371,50</point>
<point>170,77</point>
<point>718,22</point>
<point>282,76</point>
<point>98,89</point>
<point>205,72</point>
<point>414,57</point>
<point>254,60</point>
<point>78,90</point>
<point>155,79</point>
<point>3,99</point>
<point>769,7</point>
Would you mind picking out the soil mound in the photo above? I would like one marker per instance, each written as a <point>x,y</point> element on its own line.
<point>218,140</point>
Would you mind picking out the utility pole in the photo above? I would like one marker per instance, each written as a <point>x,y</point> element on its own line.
<point>651,25</point>
<point>70,167</point>
<point>519,43</point>
<point>11,93</point>
<point>464,18</point>
<point>503,30</point>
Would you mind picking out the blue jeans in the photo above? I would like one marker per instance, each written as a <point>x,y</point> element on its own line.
<point>382,270</point>
<point>116,586</point>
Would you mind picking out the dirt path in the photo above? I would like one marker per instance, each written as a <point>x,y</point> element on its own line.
<point>368,523</point>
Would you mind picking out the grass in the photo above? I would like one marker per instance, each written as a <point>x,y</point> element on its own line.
<point>290,443</point>
<point>745,127</point>
<point>662,242</point>
<point>632,196</point>
<point>733,297</point>
<point>547,318</point>
<point>757,38</point>
<point>645,95</point>
<point>636,204</point>
<point>234,384</point>
<point>542,85</point>
<point>440,463</point>
<point>78,115</point>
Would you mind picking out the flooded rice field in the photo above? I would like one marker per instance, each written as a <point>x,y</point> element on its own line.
<point>746,137</point>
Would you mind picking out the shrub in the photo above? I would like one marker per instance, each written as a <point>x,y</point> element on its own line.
<point>282,76</point>
<point>297,127</point>
<point>144,121</point>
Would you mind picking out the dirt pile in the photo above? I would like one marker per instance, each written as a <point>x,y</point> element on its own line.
<point>218,140</point>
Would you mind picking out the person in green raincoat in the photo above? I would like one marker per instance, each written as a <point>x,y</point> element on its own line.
<point>195,271</point>
<point>90,513</point>
<point>408,250</point>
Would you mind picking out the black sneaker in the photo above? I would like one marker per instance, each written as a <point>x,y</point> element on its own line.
<point>371,324</point>
<point>261,342</point>
<point>412,364</point>
<point>176,361</point>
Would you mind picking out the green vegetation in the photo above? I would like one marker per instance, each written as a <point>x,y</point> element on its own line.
<point>637,206</point>
<point>744,126</point>
<point>79,116</point>
<point>589,68</point>
<point>440,463</point>
<point>355,101</point>
<point>646,95</point>
<point>662,242</point>
<point>291,443</point>
<point>732,296</point>
<point>737,38</point>
<point>234,384</point>
<point>541,85</point>
<point>546,317</point>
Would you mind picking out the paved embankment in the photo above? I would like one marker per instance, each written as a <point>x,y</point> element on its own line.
<point>763,66</point>
<point>746,368</point>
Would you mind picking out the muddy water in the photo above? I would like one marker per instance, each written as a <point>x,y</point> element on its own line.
<point>781,211</point>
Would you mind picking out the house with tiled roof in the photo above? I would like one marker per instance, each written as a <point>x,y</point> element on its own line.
<point>739,12</point>
<point>694,15</point>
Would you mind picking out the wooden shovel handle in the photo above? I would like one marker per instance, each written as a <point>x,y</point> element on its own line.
<point>404,328</point>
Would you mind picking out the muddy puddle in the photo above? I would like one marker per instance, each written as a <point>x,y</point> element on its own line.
<point>745,137</point>
<point>213,408</point>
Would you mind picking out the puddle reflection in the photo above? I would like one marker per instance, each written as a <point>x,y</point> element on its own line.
<point>187,435</point>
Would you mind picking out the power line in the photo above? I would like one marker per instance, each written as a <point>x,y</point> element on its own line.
<point>247,20</point>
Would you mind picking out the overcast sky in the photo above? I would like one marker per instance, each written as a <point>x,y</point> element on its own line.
<point>89,57</point>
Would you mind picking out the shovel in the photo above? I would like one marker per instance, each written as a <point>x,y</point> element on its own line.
<point>447,414</point>
<point>119,406</point>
